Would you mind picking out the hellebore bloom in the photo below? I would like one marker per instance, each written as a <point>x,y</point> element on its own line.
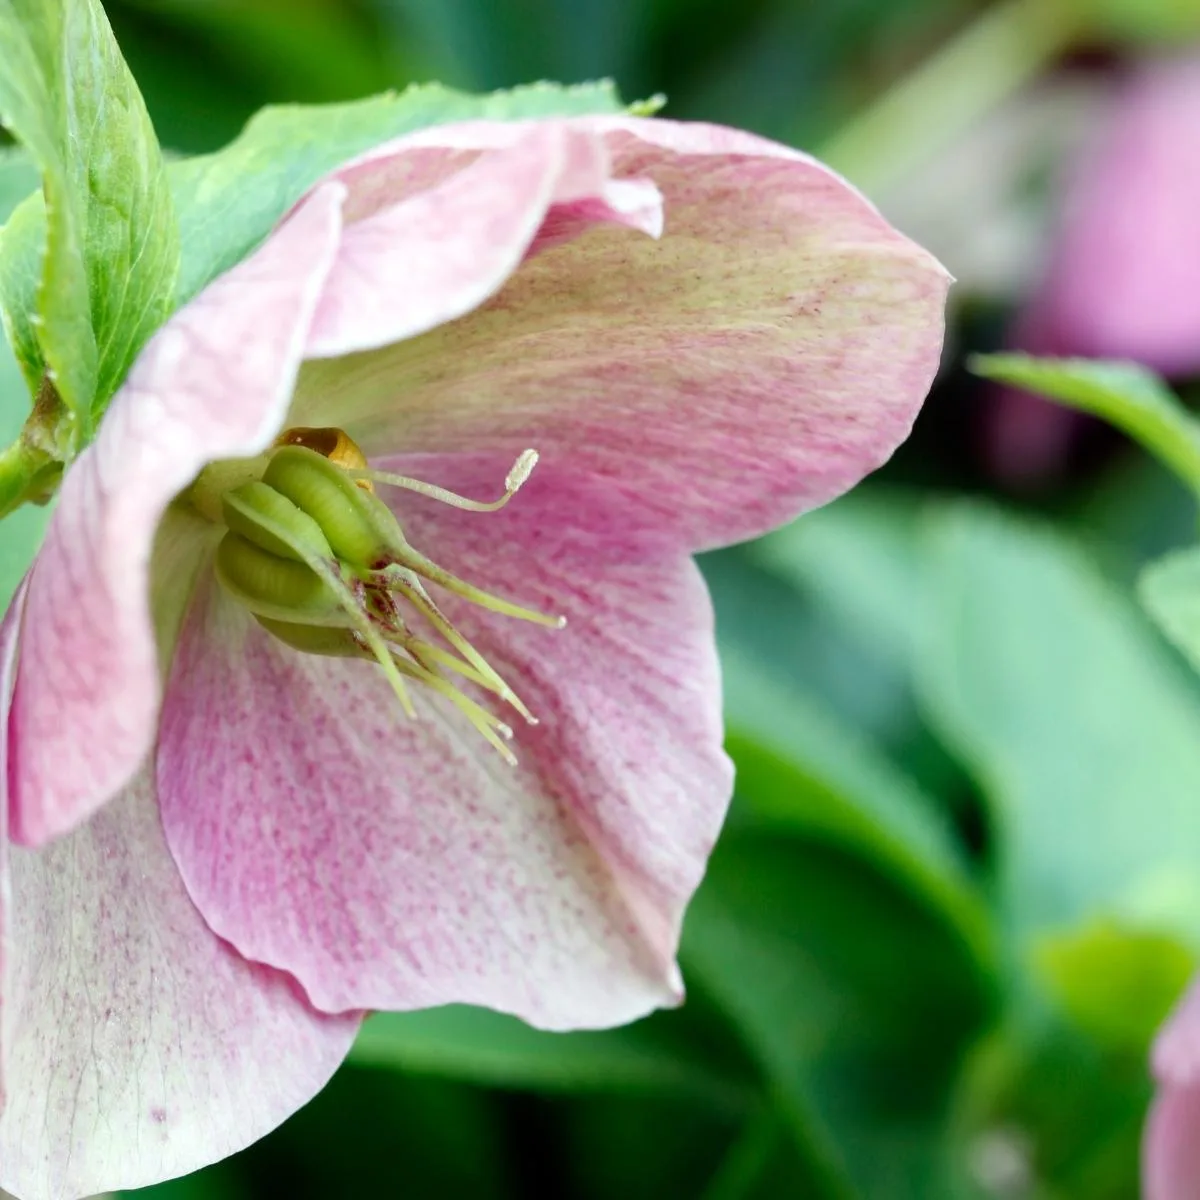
<point>1124,275</point>
<point>1123,278</point>
<point>228,838</point>
<point>1170,1143</point>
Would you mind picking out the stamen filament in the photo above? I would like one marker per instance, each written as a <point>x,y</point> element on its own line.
<point>409,586</point>
<point>416,562</point>
<point>519,473</point>
<point>495,732</point>
<point>423,650</point>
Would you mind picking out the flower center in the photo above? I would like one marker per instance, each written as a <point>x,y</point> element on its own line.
<point>323,565</point>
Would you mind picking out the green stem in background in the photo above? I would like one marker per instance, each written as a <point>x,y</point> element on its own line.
<point>967,78</point>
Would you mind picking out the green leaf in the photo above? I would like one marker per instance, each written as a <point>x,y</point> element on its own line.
<point>230,200</point>
<point>491,1048</point>
<point>1116,985</point>
<point>1170,592</point>
<point>800,770</point>
<point>18,178</point>
<point>860,559</point>
<point>1051,687</point>
<point>857,1006</point>
<point>1128,395</point>
<point>111,247</point>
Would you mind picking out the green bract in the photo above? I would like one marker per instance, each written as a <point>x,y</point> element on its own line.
<point>99,275</point>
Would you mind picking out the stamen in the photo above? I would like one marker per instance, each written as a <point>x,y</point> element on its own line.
<point>490,726</point>
<point>426,650</point>
<point>516,477</point>
<point>415,561</point>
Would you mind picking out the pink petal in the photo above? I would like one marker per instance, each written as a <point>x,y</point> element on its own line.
<point>769,351</point>
<point>1171,1142</point>
<point>1171,1146</point>
<point>213,383</point>
<point>1125,278</point>
<point>137,1046</point>
<point>403,268</point>
<point>397,864</point>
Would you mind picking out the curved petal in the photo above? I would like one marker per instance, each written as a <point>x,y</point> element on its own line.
<point>398,864</point>
<point>1171,1147</point>
<point>405,267</point>
<point>1125,278</point>
<point>214,382</point>
<point>137,1046</point>
<point>771,349</point>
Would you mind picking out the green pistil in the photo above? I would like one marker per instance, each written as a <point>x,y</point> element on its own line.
<point>324,566</point>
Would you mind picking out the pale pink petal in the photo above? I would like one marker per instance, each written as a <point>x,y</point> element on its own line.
<point>1124,281</point>
<point>1171,1145</point>
<point>771,349</point>
<point>1171,1142</point>
<point>214,382</point>
<point>10,631</point>
<point>403,268</point>
<point>137,1046</point>
<point>397,864</point>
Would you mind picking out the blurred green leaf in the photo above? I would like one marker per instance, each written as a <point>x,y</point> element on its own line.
<point>306,50</point>
<point>229,201</point>
<point>1170,592</point>
<point>1167,22</point>
<point>375,1133</point>
<point>1046,1111</point>
<point>857,1005</point>
<point>859,557</point>
<point>1131,397</point>
<point>800,771</point>
<point>491,1048</point>
<point>632,1147</point>
<point>1049,685</point>
<point>111,249</point>
<point>1116,985</point>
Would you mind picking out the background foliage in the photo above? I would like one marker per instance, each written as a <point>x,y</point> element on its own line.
<point>957,892</point>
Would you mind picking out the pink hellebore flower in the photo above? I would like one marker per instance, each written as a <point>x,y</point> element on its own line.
<point>1171,1141</point>
<point>1124,276</point>
<point>1123,279</point>
<point>223,847</point>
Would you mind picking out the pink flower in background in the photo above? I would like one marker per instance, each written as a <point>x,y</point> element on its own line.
<point>225,847</point>
<point>1123,278</point>
<point>1124,273</point>
<point>1171,1144</point>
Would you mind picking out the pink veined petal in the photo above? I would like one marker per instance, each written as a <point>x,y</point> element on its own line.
<point>1125,278</point>
<point>137,1045</point>
<point>770,350</point>
<point>405,267</point>
<point>397,864</point>
<point>213,383</point>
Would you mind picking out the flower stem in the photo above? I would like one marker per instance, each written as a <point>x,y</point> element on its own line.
<point>968,77</point>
